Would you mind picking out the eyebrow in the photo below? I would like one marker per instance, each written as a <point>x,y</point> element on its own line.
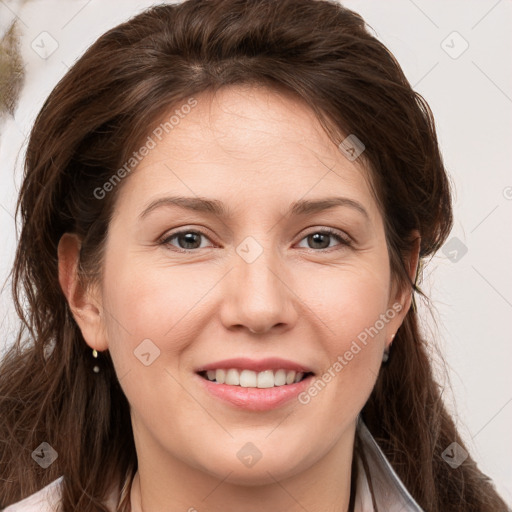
<point>218,208</point>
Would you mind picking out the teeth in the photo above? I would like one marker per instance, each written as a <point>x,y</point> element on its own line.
<point>250,379</point>
<point>266,379</point>
<point>280,378</point>
<point>233,378</point>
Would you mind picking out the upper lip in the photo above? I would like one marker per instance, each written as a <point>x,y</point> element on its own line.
<point>256,365</point>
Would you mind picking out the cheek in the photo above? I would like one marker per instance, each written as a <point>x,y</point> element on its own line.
<point>152,302</point>
<point>349,300</point>
<point>152,318</point>
<point>353,307</point>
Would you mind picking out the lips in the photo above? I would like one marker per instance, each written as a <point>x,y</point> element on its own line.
<point>254,399</point>
<point>270,363</point>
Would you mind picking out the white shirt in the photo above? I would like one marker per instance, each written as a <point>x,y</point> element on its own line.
<point>389,492</point>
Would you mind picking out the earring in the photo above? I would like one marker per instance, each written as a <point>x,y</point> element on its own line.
<point>385,355</point>
<point>96,368</point>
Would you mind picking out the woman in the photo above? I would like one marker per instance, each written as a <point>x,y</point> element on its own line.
<point>278,363</point>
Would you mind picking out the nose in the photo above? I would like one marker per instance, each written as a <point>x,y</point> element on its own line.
<point>258,297</point>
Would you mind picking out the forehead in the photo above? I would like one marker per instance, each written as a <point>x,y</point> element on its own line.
<point>248,145</point>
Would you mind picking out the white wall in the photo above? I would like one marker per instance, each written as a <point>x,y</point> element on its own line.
<point>471,97</point>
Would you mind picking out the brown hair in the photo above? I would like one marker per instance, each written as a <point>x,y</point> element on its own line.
<point>98,114</point>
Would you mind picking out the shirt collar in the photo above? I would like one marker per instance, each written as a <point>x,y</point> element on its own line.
<point>389,492</point>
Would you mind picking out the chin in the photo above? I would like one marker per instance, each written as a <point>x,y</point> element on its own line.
<point>277,465</point>
<point>258,475</point>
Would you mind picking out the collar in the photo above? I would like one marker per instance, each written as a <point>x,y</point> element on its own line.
<point>389,492</point>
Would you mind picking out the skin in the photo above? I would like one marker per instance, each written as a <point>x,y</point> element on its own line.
<point>257,151</point>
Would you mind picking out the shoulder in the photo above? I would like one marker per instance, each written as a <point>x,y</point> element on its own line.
<point>44,500</point>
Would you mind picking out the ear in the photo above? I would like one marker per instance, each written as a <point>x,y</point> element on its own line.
<point>85,306</point>
<point>402,299</point>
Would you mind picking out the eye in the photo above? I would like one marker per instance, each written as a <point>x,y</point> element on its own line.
<point>187,240</point>
<point>320,238</point>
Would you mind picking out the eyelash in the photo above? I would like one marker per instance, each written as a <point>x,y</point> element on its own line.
<point>344,241</point>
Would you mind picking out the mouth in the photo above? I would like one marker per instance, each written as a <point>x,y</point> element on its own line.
<point>254,385</point>
<point>245,378</point>
<point>254,391</point>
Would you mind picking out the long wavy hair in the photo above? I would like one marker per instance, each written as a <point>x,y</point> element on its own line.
<point>98,114</point>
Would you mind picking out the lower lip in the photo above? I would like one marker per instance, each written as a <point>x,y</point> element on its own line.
<point>255,399</point>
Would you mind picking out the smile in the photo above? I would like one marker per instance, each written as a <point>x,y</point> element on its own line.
<point>251,379</point>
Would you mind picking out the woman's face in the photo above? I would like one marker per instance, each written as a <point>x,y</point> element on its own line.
<point>258,281</point>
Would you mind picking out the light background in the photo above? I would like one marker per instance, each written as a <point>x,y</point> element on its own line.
<point>471,97</point>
